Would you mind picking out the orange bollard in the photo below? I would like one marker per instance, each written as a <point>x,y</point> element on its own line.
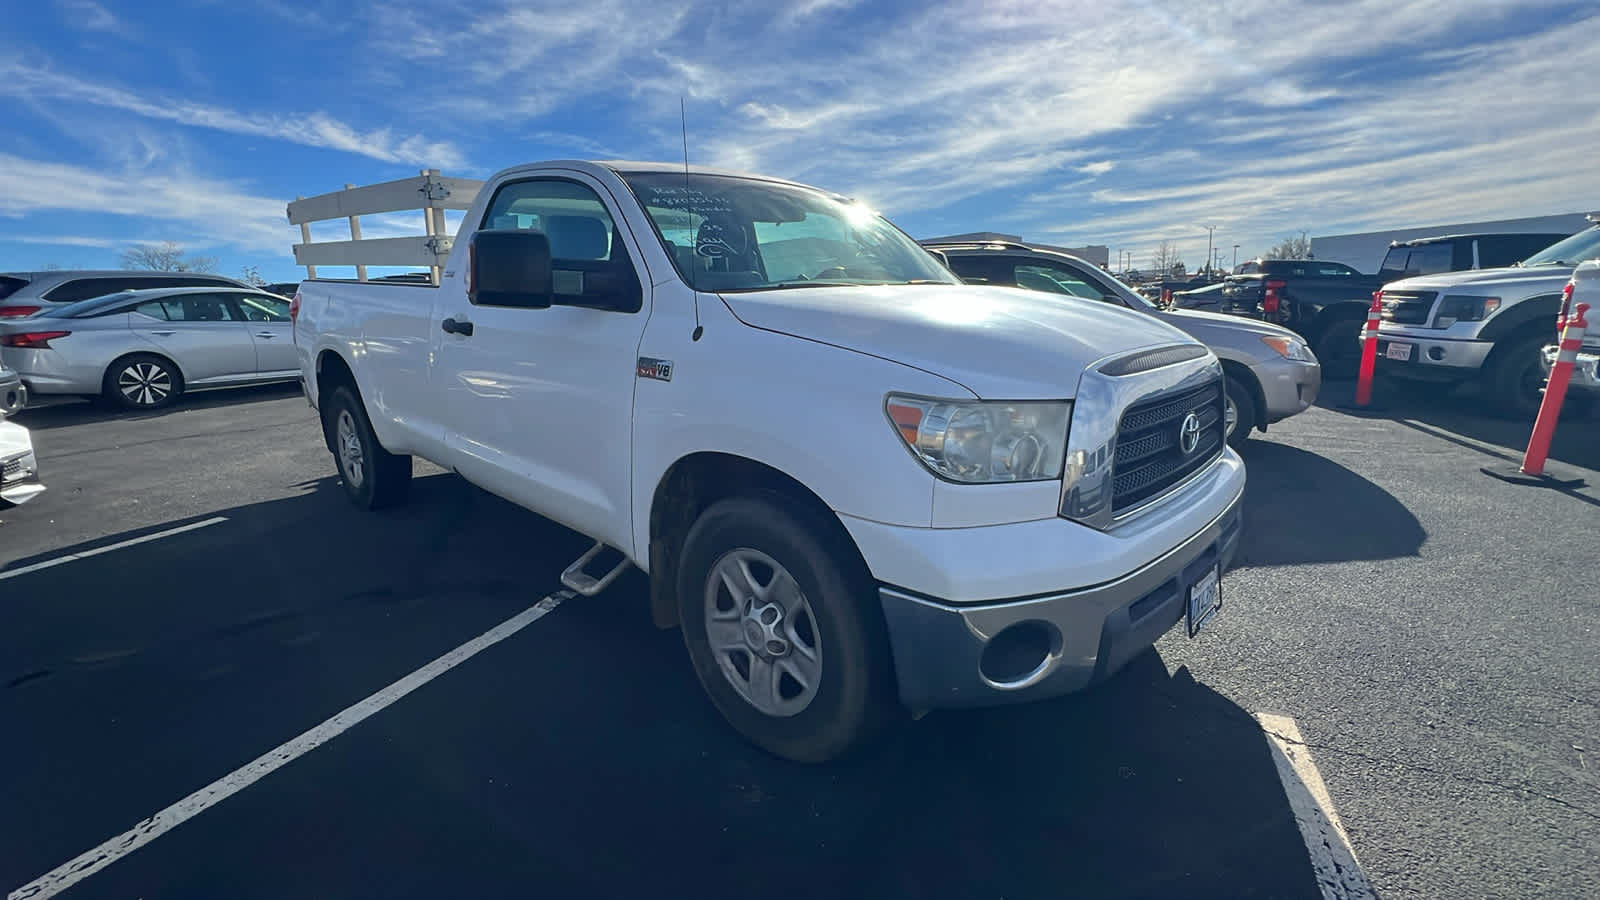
<point>1555,393</point>
<point>1369,352</point>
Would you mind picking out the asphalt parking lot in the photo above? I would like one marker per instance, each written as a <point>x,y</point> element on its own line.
<point>1429,630</point>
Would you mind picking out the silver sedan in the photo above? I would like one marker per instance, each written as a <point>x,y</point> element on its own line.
<point>143,349</point>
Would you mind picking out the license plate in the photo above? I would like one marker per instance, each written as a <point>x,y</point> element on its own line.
<point>1401,352</point>
<point>1205,598</point>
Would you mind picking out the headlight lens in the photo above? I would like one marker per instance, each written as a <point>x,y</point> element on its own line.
<point>1464,309</point>
<point>1289,348</point>
<point>980,442</point>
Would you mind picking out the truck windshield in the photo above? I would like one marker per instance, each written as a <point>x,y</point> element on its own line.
<point>726,233</point>
<point>1584,245</point>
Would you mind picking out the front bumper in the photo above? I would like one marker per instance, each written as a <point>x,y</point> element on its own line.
<point>19,467</point>
<point>1585,372</point>
<point>949,655</point>
<point>1430,357</point>
<point>1288,386</point>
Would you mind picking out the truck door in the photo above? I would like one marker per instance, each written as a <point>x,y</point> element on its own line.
<point>539,402</point>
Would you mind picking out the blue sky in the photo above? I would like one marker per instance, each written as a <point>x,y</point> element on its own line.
<point>1123,122</point>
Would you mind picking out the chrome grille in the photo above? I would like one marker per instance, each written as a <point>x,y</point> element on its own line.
<point>11,468</point>
<point>1149,458</point>
<point>1407,308</point>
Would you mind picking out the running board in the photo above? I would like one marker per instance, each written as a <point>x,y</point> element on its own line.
<point>575,578</point>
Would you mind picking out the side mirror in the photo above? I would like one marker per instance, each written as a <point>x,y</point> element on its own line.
<point>509,267</point>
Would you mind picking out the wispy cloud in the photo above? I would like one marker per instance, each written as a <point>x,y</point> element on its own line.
<point>173,203</point>
<point>88,15</point>
<point>311,130</point>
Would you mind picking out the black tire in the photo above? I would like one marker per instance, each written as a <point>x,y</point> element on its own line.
<point>1515,378</point>
<point>1338,347</point>
<point>142,381</point>
<point>1243,402</point>
<point>373,478</point>
<point>854,696</point>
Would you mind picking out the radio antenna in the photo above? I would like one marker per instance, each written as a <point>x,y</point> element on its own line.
<point>688,201</point>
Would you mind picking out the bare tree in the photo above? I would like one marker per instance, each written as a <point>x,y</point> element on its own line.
<point>252,276</point>
<point>167,256</point>
<point>1291,248</point>
<point>1164,258</point>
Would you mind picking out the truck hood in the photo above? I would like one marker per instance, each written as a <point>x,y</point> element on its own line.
<point>998,342</point>
<point>1485,281</point>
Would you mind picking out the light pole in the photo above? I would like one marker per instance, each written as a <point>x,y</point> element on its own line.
<point>1210,229</point>
<point>1236,257</point>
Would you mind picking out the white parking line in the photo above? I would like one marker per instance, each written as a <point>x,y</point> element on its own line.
<point>72,557</point>
<point>1333,860</point>
<point>86,864</point>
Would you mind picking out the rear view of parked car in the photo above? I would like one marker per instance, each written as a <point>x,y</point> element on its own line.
<point>1325,302</point>
<point>28,293</point>
<point>144,349</point>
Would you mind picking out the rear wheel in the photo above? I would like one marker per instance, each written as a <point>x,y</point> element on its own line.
<point>1338,347</point>
<point>142,381</point>
<point>1516,378</point>
<point>783,630</point>
<point>373,477</point>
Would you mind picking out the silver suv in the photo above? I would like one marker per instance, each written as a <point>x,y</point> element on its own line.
<point>1489,324</point>
<point>26,293</point>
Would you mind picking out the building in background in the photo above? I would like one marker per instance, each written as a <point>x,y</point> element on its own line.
<point>1365,251</point>
<point>1094,253</point>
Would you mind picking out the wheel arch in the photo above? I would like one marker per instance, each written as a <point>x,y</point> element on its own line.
<point>330,372</point>
<point>1258,396</point>
<point>697,480</point>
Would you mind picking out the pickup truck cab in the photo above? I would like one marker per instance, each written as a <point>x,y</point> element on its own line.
<point>1488,325</point>
<point>1583,288</point>
<point>859,486</point>
<point>1324,302</point>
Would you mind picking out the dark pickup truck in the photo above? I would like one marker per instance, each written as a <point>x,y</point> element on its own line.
<point>1326,302</point>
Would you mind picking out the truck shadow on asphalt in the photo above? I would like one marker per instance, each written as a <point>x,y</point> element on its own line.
<point>582,756</point>
<point>66,412</point>
<point>1301,508</point>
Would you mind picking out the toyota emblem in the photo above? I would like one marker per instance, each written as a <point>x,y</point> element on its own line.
<point>1189,434</point>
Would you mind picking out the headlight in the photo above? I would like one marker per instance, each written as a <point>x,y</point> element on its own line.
<point>1289,348</point>
<point>979,442</point>
<point>1464,309</point>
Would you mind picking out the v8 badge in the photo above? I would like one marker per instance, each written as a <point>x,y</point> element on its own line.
<point>659,369</point>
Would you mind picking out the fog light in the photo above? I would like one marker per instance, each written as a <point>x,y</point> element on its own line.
<point>1436,353</point>
<point>1020,656</point>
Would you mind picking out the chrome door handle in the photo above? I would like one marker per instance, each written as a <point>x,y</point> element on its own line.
<point>165,332</point>
<point>265,334</point>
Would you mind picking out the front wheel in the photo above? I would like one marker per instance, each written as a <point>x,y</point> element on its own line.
<point>783,630</point>
<point>373,477</point>
<point>1516,377</point>
<point>1240,411</point>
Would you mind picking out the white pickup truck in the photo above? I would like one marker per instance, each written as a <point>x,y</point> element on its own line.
<point>859,486</point>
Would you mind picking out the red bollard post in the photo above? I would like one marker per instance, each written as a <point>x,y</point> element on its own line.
<point>1369,352</point>
<point>1555,392</point>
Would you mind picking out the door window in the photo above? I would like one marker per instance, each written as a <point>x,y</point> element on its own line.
<point>262,308</point>
<point>589,262</point>
<point>1057,279</point>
